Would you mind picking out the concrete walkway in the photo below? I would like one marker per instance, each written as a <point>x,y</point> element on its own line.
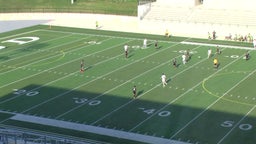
<point>11,21</point>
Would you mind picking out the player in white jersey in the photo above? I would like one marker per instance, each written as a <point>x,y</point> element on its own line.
<point>145,43</point>
<point>126,50</point>
<point>184,58</point>
<point>163,78</point>
<point>209,53</point>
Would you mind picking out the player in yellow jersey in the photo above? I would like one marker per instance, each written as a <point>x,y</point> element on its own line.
<point>215,63</point>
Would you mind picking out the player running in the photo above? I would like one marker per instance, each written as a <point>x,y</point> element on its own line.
<point>209,53</point>
<point>218,51</point>
<point>215,63</point>
<point>126,50</point>
<point>184,58</point>
<point>82,66</point>
<point>163,78</point>
<point>174,63</point>
<point>134,91</point>
<point>145,43</point>
<point>247,55</point>
<point>156,44</point>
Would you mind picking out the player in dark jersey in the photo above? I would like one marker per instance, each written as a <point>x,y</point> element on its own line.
<point>82,66</point>
<point>134,91</point>
<point>174,63</point>
<point>156,44</point>
<point>218,51</point>
<point>247,56</point>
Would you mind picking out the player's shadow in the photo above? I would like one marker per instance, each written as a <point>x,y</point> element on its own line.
<point>4,58</point>
<point>177,65</point>
<point>130,55</point>
<point>140,92</point>
<point>169,80</point>
<point>87,68</point>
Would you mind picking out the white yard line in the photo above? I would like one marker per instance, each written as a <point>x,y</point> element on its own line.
<point>61,77</point>
<point>181,96</point>
<point>95,130</point>
<point>18,34</point>
<point>129,38</point>
<point>196,117</point>
<point>73,88</point>
<point>49,68</point>
<point>215,45</point>
<point>146,91</point>
<point>235,126</point>
<point>40,59</point>
<point>114,87</point>
<point>25,45</point>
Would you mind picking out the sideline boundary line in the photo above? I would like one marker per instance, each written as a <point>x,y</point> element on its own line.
<point>215,45</point>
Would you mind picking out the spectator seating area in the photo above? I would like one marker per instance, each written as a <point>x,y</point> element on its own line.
<point>231,16</point>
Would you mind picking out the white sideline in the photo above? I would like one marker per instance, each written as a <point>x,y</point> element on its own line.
<point>215,45</point>
<point>94,129</point>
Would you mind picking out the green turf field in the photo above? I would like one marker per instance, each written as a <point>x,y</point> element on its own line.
<point>42,89</point>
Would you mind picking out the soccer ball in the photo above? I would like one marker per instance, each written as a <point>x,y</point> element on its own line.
<point>199,57</point>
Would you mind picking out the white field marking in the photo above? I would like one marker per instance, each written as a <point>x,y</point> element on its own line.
<point>23,67</point>
<point>180,97</point>
<point>95,130</point>
<point>24,46</point>
<point>107,36</point>
<point>116,86</point>
<point>215,45</point>
<point>88,83</point>
<point>19,34</point>
<point>44,58</point>
<point>59,78</point>
<point>237,123</point>
<point>146,91</point>
<point>213,102</point>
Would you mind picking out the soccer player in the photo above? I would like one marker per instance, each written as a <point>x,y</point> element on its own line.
<point>218,51</point>
<point>97,24</point>
<point>163,78</point>
<point>167,33</point>
<point>209,53</point>
<point>183,58</point>
<point>247,56</point>
<point>82,66</point>
<point>215,63</point>
<point>126,50</point>
<point>254,42</point>
<point>188,55</point>
<point>134,91</point>
<point>156,44</point>
<point>174,63</point>
<point>145,43</point>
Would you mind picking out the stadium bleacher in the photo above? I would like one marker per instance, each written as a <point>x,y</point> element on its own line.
<point>222,16</point>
